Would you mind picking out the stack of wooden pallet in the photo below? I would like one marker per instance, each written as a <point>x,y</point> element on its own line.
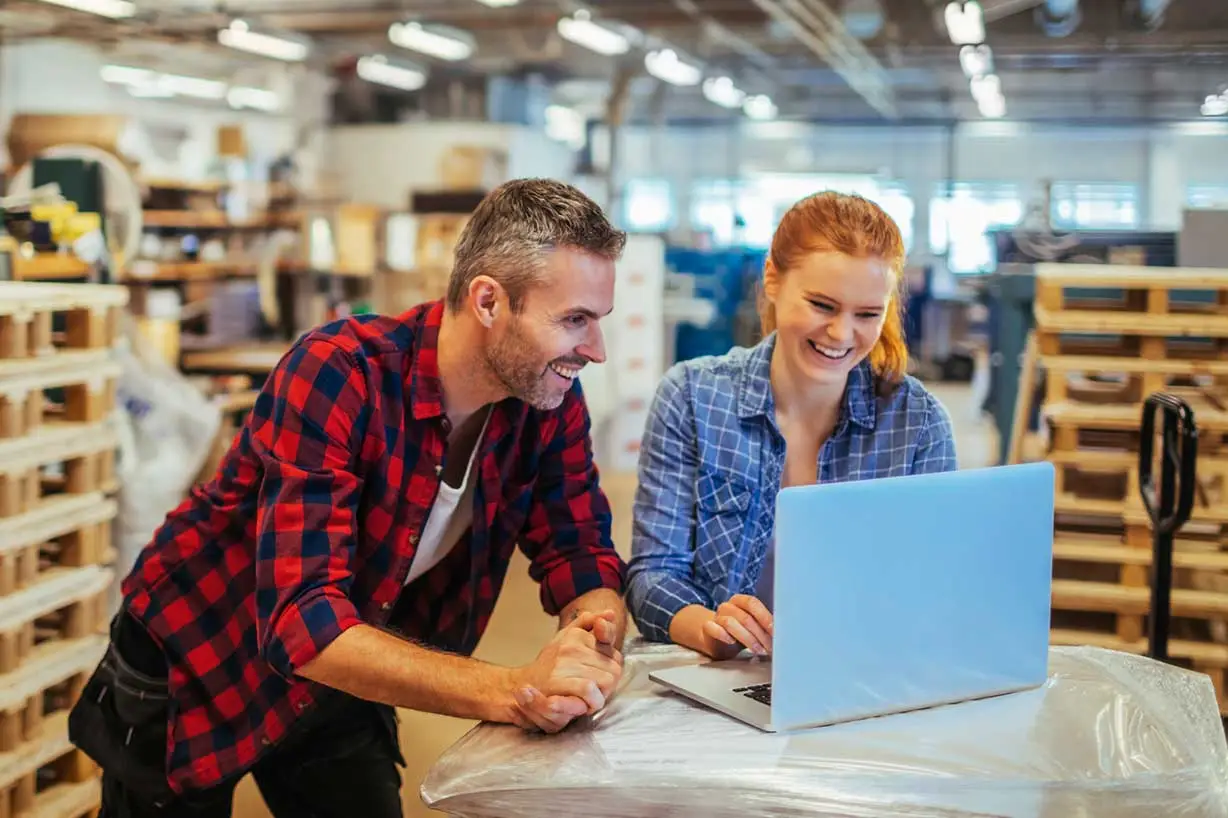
<point>1109,336</point>
<point>57,467</point>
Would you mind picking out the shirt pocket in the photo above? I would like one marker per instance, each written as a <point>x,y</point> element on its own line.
<point>724,522</point>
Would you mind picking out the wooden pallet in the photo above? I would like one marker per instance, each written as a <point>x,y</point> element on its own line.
<point>48,777</point>
<point>62,603</point>
<point>76,458</point>
<point>47,683</point>
<point>28,311</point>
<point>88,381</point>
<point>67,530</point>
<point>1102,592</point>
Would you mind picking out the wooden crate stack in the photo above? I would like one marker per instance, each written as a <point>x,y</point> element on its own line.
<point>1109,336</point>
<point>57,467</point>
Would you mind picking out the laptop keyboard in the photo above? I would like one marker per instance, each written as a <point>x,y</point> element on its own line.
<point>760,693</point>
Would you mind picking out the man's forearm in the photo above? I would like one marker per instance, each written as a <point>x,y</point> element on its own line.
<point>371,664</point>
<point>596,601</point>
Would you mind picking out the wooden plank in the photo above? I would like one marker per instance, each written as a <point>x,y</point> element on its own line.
<point>1132,277</point>
<point>72,359</point>
<point>1108,549</point>
<point>55,442</point>
<point>1077,595</point>
<point>1023,399</point>
<point>256,358</point>
<point>54,517</point>
<point>20,297</point>
<point>1205,652</point>
<point>1106,364</point>
<point>49,664</point>
<point>1126,416</point>
<point>1125,323</point>
<point>55,589</point>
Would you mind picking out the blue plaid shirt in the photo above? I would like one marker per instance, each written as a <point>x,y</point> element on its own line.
<point>711,463</point>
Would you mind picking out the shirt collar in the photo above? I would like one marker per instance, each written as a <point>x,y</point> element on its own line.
<point>425,386</point>
<point>755,387</point>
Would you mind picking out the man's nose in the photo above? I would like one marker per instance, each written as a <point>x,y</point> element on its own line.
<point>594,347</point>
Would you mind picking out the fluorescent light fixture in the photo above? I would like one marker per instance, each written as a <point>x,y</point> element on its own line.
<point>992,107</point>
<point>665,66</point>
<point>759,106</point>
<point>126,75</point>
<point>257,99</point>
<point>150,92</point>
<point>986,87</point>
<point>1215,105</point>
<point>377,69</point>
<point>965,22</point>
<point>115,9</point>
<point>498,4</point>
<point>976,60</point>
<point>192,86</point>
<point>414,37</point>
<point>240,37</point>
<point>721,91</point>
<point>582,31</point>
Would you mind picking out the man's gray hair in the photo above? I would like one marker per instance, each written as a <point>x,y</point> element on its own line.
<point>513,228</point>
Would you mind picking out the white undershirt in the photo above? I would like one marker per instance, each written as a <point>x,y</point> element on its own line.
<point>449,518</point>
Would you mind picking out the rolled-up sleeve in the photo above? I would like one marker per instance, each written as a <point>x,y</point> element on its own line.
<point>936,442</point>
<point>567,538</point>
<point>306,507</point>
<point>659,575</point>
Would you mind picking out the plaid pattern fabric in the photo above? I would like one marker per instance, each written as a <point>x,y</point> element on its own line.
<point>711,464</point>
<point>310,525</point>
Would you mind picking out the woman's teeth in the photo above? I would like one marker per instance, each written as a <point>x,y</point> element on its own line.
<point>567,372</point>
<point>830,352</point>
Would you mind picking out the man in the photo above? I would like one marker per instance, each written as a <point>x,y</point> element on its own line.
<point>347,555</point>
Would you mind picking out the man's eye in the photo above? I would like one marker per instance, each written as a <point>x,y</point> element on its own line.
<point>577,320</point>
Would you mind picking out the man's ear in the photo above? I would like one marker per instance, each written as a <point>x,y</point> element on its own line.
<point>486,295</point>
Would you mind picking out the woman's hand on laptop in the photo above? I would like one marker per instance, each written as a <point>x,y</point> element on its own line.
<point>743,621</point>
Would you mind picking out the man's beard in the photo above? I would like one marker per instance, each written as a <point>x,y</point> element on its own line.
<point>516,363</point>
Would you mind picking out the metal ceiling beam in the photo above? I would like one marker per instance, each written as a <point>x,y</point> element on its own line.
<point>820,30</point>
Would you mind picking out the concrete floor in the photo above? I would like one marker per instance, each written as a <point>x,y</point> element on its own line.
<point>519,628</point>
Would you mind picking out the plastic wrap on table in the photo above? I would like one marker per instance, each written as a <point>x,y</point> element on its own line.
<point>1109,735</point>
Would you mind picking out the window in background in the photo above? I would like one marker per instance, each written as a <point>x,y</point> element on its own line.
<point>1206,196</point>
<point>960,221</point>
<point>714,209</point>
<point>648,206</point>
<point>893,197</point>
<point>1095,206</point>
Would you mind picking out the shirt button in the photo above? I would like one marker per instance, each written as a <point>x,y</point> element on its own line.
<point>387,606</point>
<point>301,706</point>
<point>438,470</point>
<point>265,741</point>
<point>413,539</point>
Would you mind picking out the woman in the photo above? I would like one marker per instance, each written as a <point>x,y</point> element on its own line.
<point>824,397</point>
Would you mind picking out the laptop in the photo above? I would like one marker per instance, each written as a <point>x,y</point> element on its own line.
<point>896,594</point>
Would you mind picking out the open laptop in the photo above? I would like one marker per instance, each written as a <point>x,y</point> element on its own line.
<point>896,594</point>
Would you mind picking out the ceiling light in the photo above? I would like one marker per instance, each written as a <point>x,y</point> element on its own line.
<point>565,125</point>
<point>721,91</point>
<point>434,44</point>
<point>1215,105</point>
<point>257,99</point>
<point>665,66</point>
<point>965,22</point>
<point>760,107</point>
<point>377,69</point>
<point>145,83</point>
<point>240,37</point>
<point>115,9</point>
<point>192,86</point>
<point>976,60</point>
<point>498,4</point>
<point>582,31</point>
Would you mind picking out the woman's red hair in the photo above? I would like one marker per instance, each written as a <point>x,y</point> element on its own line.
<point>843,223</point>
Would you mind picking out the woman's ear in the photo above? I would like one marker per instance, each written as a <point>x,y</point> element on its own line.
<point>771,281</point>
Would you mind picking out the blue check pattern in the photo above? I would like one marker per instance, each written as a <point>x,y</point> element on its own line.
<point>711,462</point>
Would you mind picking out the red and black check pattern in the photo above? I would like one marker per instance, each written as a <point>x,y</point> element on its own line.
<point>311,523</point>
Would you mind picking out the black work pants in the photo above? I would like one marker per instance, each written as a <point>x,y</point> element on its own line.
<point>336,762</point>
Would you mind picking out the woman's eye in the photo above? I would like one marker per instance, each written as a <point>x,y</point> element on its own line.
<point>868,315</point>
<point>819,305</point>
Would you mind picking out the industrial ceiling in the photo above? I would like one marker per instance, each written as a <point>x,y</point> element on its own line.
<point>888,61</point>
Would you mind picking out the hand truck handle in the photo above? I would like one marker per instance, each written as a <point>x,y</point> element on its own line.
<point>1178,455</point>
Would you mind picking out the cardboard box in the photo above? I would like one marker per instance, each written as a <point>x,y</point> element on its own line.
<point>31,133</point>
<point>466,167</point>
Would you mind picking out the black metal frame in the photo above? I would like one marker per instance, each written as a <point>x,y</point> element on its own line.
<point>1178,458</point>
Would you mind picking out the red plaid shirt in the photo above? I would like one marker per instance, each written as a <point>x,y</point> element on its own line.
<point>310,526</point>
